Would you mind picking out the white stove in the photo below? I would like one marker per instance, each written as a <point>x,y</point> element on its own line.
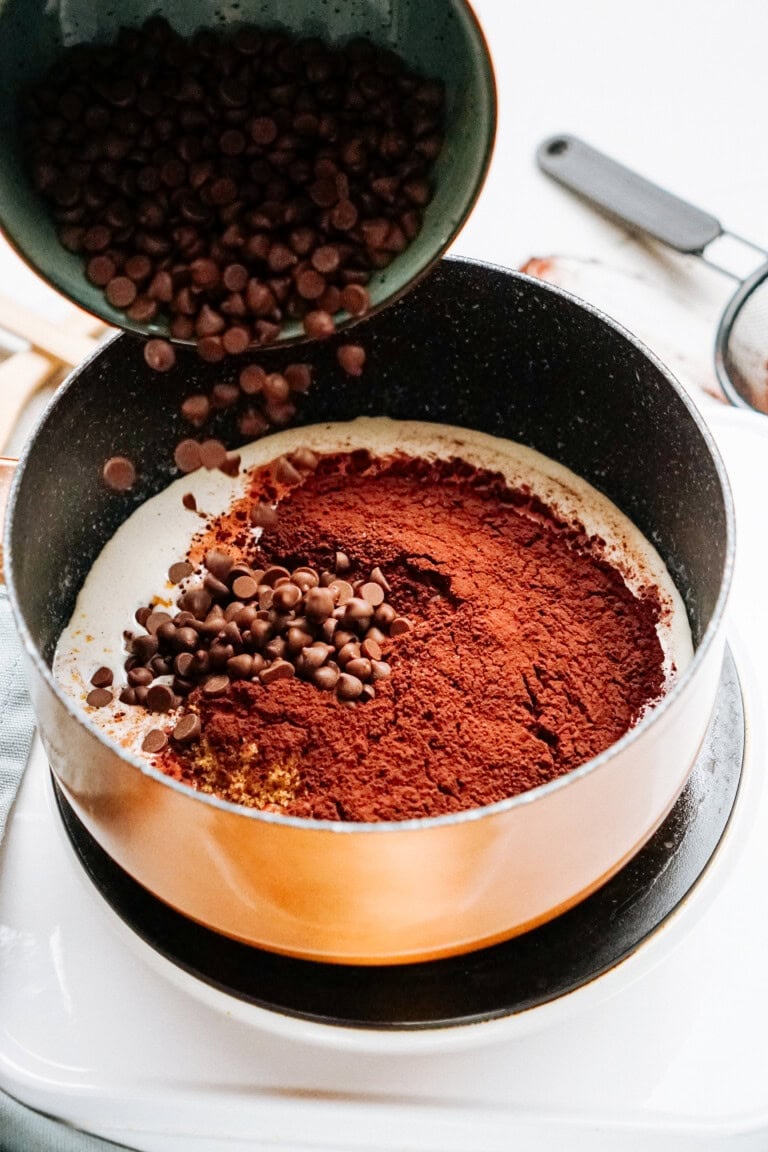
<point>668,1050</point>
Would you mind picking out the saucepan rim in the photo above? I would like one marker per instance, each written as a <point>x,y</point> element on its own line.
<point>533,795</point>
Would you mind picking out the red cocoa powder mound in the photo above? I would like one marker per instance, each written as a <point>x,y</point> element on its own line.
<point>528,654</point>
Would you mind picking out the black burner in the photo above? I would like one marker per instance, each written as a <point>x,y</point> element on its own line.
<point>507,978</point>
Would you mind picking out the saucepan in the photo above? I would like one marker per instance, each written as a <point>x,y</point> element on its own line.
<point>473,346</point>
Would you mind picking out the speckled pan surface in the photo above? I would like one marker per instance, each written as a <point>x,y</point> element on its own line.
<point>440,38</point>
<point>472,346</point>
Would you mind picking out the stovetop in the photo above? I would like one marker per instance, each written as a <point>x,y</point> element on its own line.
<point>519,975</point>
<point>667,1050</point>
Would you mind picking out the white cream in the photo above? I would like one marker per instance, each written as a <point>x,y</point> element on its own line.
<point>132,568</point>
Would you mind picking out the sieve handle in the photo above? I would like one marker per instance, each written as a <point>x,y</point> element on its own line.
<point>626,197</point>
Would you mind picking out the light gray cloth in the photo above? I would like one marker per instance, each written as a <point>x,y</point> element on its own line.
<point>21,1128</point>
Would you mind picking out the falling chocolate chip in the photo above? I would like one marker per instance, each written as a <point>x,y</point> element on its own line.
<point>189,502</point>
<point>351,357</point>
<point>187,456</point>
<point>119,473</point>
<point>196,410</point>
<point>212,454</point>
<point>159,355</point>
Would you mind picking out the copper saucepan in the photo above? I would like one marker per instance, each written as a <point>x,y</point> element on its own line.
<point>473,346</point>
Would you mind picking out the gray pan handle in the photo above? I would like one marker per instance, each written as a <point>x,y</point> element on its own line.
<point>625,196</point>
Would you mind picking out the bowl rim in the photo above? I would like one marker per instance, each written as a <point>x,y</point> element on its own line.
<point>534,795</point>
<point>344,320</point>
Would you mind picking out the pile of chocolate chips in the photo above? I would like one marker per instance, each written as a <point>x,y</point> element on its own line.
<point>245,624</point>
<point>233,181</point>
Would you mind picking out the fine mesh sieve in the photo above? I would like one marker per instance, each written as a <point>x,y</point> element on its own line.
<point>741,343</point>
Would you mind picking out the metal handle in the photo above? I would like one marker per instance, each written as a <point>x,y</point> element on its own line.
<point>627,197</point>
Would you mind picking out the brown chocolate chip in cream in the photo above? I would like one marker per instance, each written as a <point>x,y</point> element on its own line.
<point>179,571</point>
<point>160,698</point>
<point>102,678</point>
<point>98,698</point>
<point>154,741</point>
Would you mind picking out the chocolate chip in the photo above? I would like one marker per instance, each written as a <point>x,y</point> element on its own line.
<point>144,647</point>
<point>119,473</point>
<point>274,573</point>
<point>355,299</point>
<point>326,678</point>
<point>102,678</point>
<point>160,698</point>
<point>187,729</point>
<point>279,670</point>
<point>286,597</point>
<point>155,620</point>
<point>319,604</point>
<point>373,593</point>
<point>341,591</point>
<point>159,355</point>
<point>379,670</point>
<point>98,697</point>
<point>263,515</point>
<point>245,588</point>
<point>359,666</point>
<point>187,456</point>
<point>120,292</point>
<point>216,686</point>
<point>319,325</point>
<point>357,609</point>
<point>240,667</point>
<point>179,571</point>
<point>304,459</point>
<point>370,649</point>
<point>196,409</point>
<point>189,502</point>
<point>351,357</point>
<point>399,626</point>
<point>140,677</point>
<point>299,376</point>
<point>384,615</point>
<point>285,473</point>
<point>348,687</point>
<point>342,562</point>
<point>154,741</point>
<point>218,563</point>
<point>252,379</point>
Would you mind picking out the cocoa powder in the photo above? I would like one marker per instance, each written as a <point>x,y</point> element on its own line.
<point>528,654</point>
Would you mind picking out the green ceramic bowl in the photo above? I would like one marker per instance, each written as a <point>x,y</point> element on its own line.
<point>441,38</point>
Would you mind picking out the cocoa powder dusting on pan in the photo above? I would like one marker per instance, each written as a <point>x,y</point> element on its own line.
<point>526,656</point>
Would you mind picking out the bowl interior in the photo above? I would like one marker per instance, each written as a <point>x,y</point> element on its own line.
<point>441,39</point>
<point>471,346</point>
